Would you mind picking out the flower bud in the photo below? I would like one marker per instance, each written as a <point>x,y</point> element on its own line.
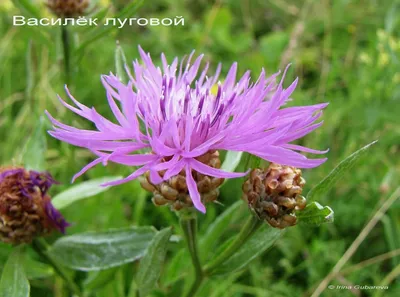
<point>274,194</point>
<point>174,191</point>
<point>26,211</point>
<point>68,8</point>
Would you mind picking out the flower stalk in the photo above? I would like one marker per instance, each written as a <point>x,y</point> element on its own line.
<point>188,221</point>
<point>40,246</point>
<point>249,228</point>
<point>66,51</point>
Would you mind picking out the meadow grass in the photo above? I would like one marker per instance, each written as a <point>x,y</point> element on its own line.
<point>344,52</point>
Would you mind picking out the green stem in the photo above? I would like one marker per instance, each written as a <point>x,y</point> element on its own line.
<point>41,247</point>
<point>189,226</point>
<point>66,49</point>
<point>249,228</point>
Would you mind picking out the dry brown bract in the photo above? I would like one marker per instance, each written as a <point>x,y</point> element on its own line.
<point>174,191</point>
<point>68,8</point>
<point>275,193</point>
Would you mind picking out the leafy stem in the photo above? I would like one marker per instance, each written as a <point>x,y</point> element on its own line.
<point>41,247</point>
<point>249,228</point>
<point>188,221</point>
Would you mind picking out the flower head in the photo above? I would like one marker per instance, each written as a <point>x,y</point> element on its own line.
<point>68,8</point>
<point>274,194</point>
<point>167,117</point>
<point>25,207</point>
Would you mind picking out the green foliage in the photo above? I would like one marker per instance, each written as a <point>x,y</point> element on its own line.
<point>218,227</point>
<point>120,63</point>
<point>261,241</point>
<point>231,161</point>
<point>35,269</point>
<point>33,155</point>
<point>103,30</point>
<point>102,250</point>
<point>28,7</point>
<point>315,214</point>
<point>13,282</point>
<point>150,266</point>
<point>99,278</point>
<point>81,191</point>
<point>344,52</point>
<point>326,184</point>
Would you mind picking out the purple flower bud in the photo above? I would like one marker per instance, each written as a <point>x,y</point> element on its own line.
<point>25,207</point>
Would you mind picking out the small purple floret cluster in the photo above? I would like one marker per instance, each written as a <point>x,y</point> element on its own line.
<point>27,185</point>
<point>167,116</point>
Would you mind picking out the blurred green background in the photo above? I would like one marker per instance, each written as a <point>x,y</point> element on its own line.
<point>345,52</point>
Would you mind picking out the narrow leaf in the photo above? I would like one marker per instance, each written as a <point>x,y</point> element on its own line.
<point>36,270</point>
<point>33,154</point>
<point>338,172</point>
<point>101,31</point>
<point>261,241</point>
<point>27,7</point>
<point>151,264</point>
<point>120,62</point>
<point>254,162</point>
<point>13,281</point>
<point>81,191</point>
<point>251,161</point>
<point>315,214</point>
<point>102,250</point>
<point>232,160</point>
<point>219,226</point>
<point>99,278</point>
<point>30,73</point>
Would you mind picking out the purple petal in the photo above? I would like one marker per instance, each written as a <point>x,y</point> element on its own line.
<point>86,168</point>
<point>193,192</point>
<point>207,170</point>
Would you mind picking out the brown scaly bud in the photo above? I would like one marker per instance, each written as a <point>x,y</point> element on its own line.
<point>26,211</point>
<point>68,8</point>
<point>174,191</point>
<point>274,194</point>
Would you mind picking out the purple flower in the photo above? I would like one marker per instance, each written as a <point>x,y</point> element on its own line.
<point>170,113</point>
<point>26,210</point>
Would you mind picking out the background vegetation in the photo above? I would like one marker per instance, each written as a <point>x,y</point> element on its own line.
<point>345,52</point>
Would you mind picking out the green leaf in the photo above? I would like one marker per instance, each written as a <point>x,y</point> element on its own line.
<point>28,7</point>
<point>392,19</point>
<point>219,226</point>
<point>251,161</point>
<point>13,281</point>
<point>262,240</point>
<point>338,172</point>
<point>315,214</point>
<point>33,154</point>
<point>102,250</point>
<point>30,73</point>
<point>120,62</point>
<point>151,264</point>
<point>98,279</point>
<point>232,160</point>
<point>36,270</point>
<point>81,191</point>
<point>101,31</point>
